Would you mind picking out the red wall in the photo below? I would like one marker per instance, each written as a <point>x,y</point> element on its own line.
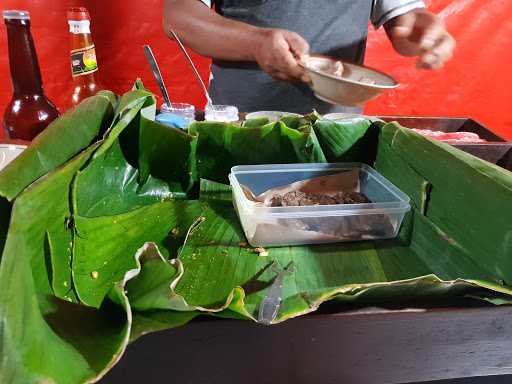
<point>477,83</point>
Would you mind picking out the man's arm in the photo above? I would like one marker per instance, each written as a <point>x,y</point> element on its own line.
<point>210,34</point>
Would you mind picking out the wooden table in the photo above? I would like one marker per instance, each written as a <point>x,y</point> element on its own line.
<point>365,346</point>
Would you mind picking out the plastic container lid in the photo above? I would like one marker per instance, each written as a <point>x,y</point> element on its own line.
<point>78,13</point>
<point>14,14</point>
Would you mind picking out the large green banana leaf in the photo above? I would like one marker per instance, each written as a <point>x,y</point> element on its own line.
<point>59,142</point>
<point>39,341</point>
<point>222,146</point>
<point>115,226</point>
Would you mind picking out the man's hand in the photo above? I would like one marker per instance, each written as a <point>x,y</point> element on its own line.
<point>421,33</point>
<point>278,52</point>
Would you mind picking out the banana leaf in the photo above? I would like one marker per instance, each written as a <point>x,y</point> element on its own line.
<point>59,142</point>
<point>348,141</point>
<point>256,122</point>
<point>39,341</point>
<point>213,271</point>
<point>222,146</point>
<point>133,231</point>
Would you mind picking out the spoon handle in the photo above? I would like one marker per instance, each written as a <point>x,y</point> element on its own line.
<point>194,69</point>
<point>156,73</point>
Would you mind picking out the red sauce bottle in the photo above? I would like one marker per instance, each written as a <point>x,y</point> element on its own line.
<point>29,111</point>
<point>84,67</point>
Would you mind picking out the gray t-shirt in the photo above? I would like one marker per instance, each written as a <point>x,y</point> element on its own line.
<point>333,27</point>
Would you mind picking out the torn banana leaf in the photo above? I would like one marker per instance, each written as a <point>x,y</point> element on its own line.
<point>39,341</point>
<point>124,226</point>
<point>59,142</point>
<point>348,141</point>
<point>215,265</point>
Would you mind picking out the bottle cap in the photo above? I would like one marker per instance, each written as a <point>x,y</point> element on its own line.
<point>16,14</point>
<point>78,13</point>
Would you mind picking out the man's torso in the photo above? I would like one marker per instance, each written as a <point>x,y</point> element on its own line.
<point>332,27</point>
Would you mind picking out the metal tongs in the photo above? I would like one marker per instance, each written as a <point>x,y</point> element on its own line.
<point>194,69</point>
<point>156,73</point>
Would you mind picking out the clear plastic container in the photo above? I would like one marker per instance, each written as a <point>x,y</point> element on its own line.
<point>223,113</point>
<point>279,226</point>
<point>186,111</point>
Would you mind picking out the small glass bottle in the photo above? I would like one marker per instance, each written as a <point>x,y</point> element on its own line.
<point>29,111</point>
<point>84,66</point>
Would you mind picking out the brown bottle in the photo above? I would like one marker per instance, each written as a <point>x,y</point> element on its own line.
<point>84,67</point>
<point>29,111</point>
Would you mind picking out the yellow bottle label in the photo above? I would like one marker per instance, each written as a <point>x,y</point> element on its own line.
<point>83,61</point>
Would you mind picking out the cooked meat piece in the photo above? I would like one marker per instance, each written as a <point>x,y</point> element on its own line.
<point>352,198</point>
<point>298,198</point>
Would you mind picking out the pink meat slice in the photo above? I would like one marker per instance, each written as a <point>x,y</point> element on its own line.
<point>451,137</point>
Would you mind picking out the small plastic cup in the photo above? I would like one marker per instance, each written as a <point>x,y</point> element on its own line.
<point>223,113</point>
<point>172,120</point>
<point>187,111</point>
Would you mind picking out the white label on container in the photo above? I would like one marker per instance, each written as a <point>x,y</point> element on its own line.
<point>79,26</point>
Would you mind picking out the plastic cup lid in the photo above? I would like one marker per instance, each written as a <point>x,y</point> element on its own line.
<point>16,14</point>
<point>178,107</point>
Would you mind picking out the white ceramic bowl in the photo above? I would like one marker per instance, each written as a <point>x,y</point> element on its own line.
<point>8,152</point>
<point>339,116</point>
<point>357,84</point>
<point>270,115</point>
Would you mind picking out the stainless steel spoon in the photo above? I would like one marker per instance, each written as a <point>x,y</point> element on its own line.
<point>194,69</point>
<point>156,73</point>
